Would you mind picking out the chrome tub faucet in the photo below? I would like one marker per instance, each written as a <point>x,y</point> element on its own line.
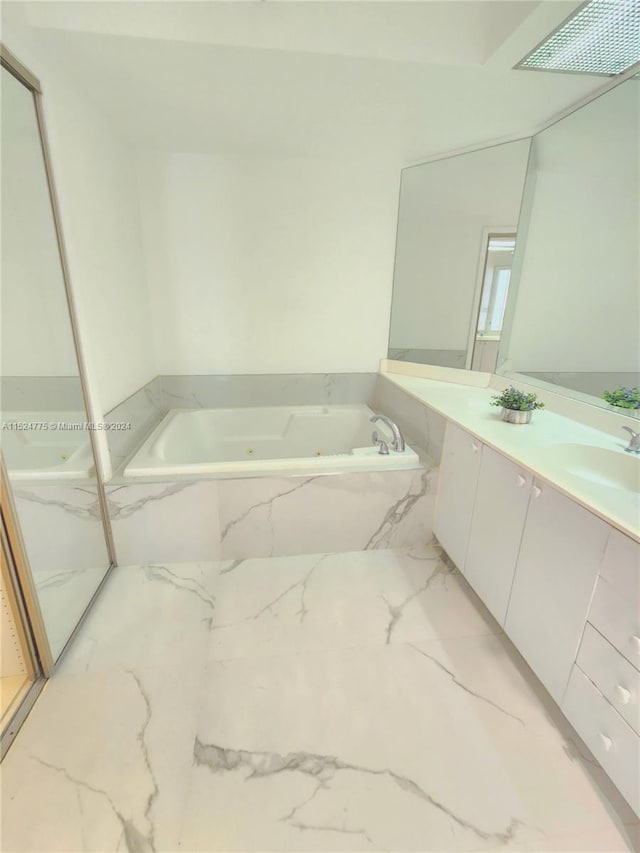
<point>398,440</point>
<point>634,441</point>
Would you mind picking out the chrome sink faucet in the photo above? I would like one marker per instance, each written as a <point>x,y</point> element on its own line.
<point>398,440</point>
<point>634,442</point>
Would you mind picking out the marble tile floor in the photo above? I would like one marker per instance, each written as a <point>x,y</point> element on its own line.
<point>336,702</point>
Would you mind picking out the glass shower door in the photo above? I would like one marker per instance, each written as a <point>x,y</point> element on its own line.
<point>45,440</point>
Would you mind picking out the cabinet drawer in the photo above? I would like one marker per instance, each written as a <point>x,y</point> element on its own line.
<point>617,618</point>
<point>613,742</point>
<point>612,674</point>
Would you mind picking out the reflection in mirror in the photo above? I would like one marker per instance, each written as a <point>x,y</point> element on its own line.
<point>493,301</point>
<point>44,441</point>
<point>573,317</point>
<point>453,215</point>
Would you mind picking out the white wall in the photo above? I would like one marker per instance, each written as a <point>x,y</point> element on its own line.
<point>96,184</point>
<point>35,329</point>
<point>268,265</point>
<point>578,296</point>
<point>444,207</point>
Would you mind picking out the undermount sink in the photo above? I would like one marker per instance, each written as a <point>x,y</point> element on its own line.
<point>614,469</point>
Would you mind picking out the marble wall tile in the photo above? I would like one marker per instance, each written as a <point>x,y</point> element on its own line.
<point>41,393</point>
<point>65,544</point>
<point>423,427</point>
<point>143,410</point>
<point>296,389</point>
<point>344,512</point>
<point>164,522</point>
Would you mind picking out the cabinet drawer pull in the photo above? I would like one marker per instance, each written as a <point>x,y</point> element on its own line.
<point>521,480</point>
<point>475,447</point>
<point>537,491</point>
<point>623,694</point>
<point>607,743</point>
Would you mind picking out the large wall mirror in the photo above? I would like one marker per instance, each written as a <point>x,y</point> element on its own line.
<point>45,444</point>
<point>574,313</point>
<point>524,259</point>
<point>457,225</point>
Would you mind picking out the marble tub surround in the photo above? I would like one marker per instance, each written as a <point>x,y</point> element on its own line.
<point>143,410</point>
<point>284,389</point>
<point>69,563</point>
<point>246,706</point>
<point>421,425</point>
<point>173,521</point>
<point>301,515</point>
<point>271,516</point>
<point>547,447</point>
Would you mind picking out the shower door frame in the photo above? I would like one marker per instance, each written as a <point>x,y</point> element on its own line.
<point>21,592</point>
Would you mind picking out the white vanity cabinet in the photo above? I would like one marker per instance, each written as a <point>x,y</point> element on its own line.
<point>502,498</point>
<point>560,555</point>
<point>458,478</point>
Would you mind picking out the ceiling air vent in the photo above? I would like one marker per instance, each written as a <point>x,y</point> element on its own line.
<point>600,37</point>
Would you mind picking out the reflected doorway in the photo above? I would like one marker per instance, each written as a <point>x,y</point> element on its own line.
<point>491,299</point>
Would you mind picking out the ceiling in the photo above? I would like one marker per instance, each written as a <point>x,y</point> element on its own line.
<point>403,80</point>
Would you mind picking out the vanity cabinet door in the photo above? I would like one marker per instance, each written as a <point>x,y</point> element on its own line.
<point>560,553</point>
<point>501,504</point>
<point>457,483</point>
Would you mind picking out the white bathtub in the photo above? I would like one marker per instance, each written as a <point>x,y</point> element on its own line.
<point>277,440</point>
<point>50,453</point>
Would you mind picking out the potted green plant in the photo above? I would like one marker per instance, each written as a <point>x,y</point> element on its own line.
<point>517,406</point>
<point>626,400</point>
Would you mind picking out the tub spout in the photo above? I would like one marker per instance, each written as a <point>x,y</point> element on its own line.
<point>398,440</point>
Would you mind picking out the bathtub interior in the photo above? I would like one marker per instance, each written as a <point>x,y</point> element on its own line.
<point>264,437</point>
<point>44,450</point>
<point>229,435</point>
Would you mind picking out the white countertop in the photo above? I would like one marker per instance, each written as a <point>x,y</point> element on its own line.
<point>538,447</point>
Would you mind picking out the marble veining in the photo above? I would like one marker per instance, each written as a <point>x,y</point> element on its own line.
<point>350,511</point>
<point>62,498</point>
<point>164,574</point>
<point>321,702</point>
<point>397,512</point>
<point>440,570</point>
<point>119,510</point>
<point>464,687</point>
<point>268,502</point>
<point>323,769</point>
<point>271,516</point>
